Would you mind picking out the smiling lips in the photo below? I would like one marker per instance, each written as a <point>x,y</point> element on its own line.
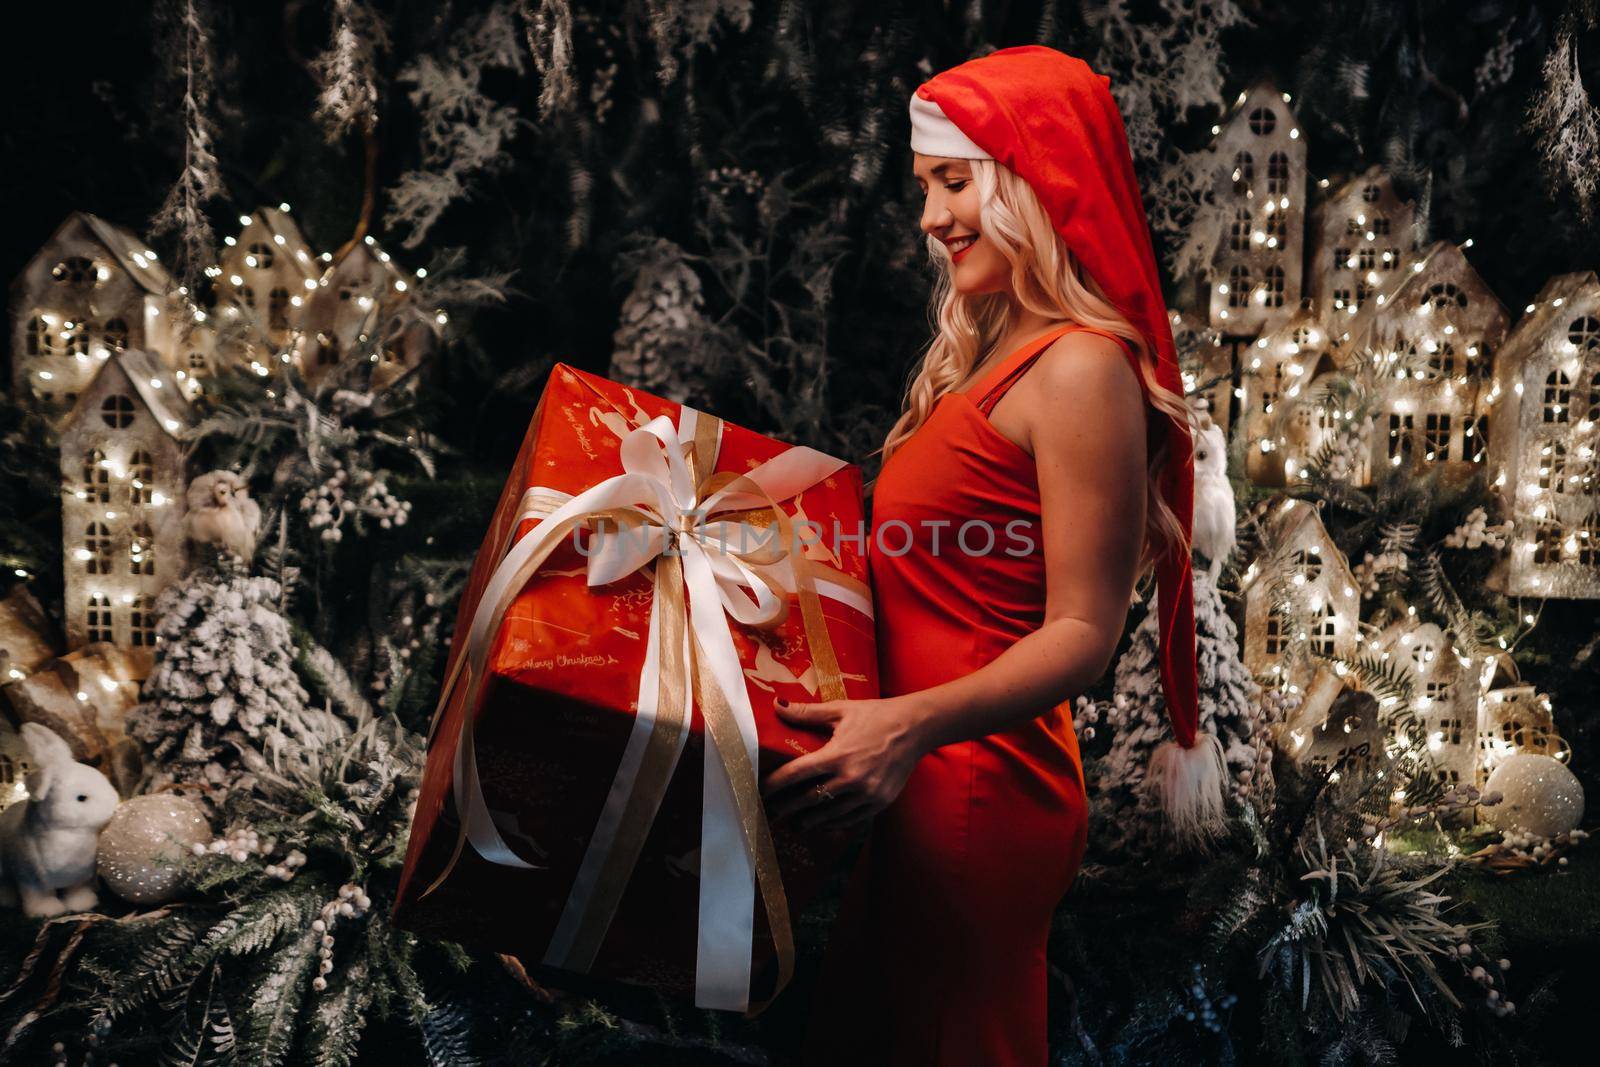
<point>960,246</point>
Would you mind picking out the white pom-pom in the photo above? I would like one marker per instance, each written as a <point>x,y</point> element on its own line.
<point>1188,786</point>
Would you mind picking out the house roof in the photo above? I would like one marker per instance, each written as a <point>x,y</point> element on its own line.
<point>136,257</point>
<point>1406,285</point>
<point>281,224</point>
<point>1285,521</point>
<point>133,255</point>
<point>1534,326</point>
<point>165,401</point>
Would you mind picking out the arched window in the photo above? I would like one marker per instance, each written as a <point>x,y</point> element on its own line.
<point>1324,631</point>
<point>1422,652</point>
<point>76,272</point>
<point>1239,286</point>
<point>1436,437</point>
<point>1380,226</point>
<point>97,549</point>
<point>99,619</point>
<point>1277,174</point>
<point>142,622</point>
<point>1444,295</point>
<point>115,333</point>
<point>1277,225</point>
<point>141,477</point>
<point>1276,639</point>
<point>41,338</point>
<point>247,296</point>
<point>1306,564</point>
<point>1239,232</point>
<point>278,308</point>
<point>1263,120</point>
<point>327,351</point>
<point>116,411</point>
<point>1442,361</point>
<point>141,550</point>
<point>96,478</point>
<point>76,338</point>
<point>261,252</point>
<point>1244,173</point>
<point>1274,279</point>
<point>1557,397</point>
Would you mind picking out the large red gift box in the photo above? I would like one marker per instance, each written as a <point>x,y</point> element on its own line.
<point>568,814</point>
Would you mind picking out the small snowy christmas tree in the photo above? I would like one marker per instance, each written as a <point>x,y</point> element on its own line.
<point>1128,817</point>
<point>224,676</point>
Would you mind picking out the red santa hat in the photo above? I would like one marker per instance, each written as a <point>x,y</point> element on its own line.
<point>1051,120</point>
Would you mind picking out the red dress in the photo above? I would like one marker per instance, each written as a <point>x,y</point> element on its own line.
<point>937,958</point>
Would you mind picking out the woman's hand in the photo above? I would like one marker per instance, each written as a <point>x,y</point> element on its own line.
<point>862,768</point>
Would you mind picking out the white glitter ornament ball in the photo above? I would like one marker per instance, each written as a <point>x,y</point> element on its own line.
<point>139,847</point>
<point>1539,795</point>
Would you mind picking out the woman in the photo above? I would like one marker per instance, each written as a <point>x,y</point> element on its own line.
<point>1031,418</point>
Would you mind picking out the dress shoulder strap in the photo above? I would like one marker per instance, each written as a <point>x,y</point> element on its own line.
<point>1017,365</point>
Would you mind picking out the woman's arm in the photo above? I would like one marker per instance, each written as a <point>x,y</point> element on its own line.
<point>1085,417</point>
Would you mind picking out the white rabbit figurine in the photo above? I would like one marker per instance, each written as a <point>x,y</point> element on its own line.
<point>48,841</point>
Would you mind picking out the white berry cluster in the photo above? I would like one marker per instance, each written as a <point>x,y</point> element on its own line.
<point>1372,568</point>
<point>1542,850</point>
<point>243,843</point>
<point>1476,532</point>
<point>361,494</point>
<point>353,902</point>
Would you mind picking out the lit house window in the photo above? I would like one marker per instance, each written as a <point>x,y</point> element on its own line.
<point>96,479</point>
<point>141,475</point>
<point>278,309</point>
<point>1274,278</point>
<point>141,550</point>
<point>1553,467</point>
<point>97,548</point>
<point>1239,233</point>
<point>1277,174</point>
<point>1325,630</point>
<point>115,333</point>
<point>76,272</point>
<point>1436,432</point>
<point>1239,286</point>
<point>142,622</point>
<point>1244,171</point>
<point>1275,636</point>
<point>99,621</point>
<point>41,338</point>
<point>262,253</point>
<point>1557,397</point>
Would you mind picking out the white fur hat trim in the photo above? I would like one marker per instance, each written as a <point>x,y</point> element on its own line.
<point>933,134</point>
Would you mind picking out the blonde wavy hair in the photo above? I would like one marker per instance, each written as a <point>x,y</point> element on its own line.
<point>1046,279</point>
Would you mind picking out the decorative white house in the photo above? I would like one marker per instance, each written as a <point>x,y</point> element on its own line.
<point>363,307</point>
<point>1426,343</point>
<point>1276,370</point>
<point>1445,702</point>
<point>123,485</point>
<point>93,289</point>
<point>1211,357</point>
<point>1312,585</point>
<point>1260,157</point>
<point>1544,430</point>
<point>1361,234</point>
<point>1517,719</point>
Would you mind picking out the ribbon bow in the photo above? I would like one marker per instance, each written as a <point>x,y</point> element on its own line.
<point>657,511</point>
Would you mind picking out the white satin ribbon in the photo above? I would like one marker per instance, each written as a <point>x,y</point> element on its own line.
<point>658,488</point>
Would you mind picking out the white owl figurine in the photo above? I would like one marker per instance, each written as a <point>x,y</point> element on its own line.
<point>1215,520</point>
<point>222,513</point>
